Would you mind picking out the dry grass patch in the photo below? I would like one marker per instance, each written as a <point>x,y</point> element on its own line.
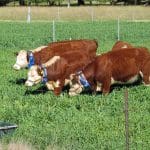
<point>76,13</point>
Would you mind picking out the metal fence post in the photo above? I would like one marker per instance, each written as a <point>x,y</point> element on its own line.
<point>58,13</point>
<point>29,15</point>
<point>126,119</point>
<point>54,31</point>
<point>118,29</point>
<point>92,14</point>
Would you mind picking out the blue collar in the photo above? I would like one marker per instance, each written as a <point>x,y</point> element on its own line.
<point>44,79</point>
<point>83,80</point>
<point>31,59</point>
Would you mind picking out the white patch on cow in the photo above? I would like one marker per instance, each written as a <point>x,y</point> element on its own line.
<point>21,61</point>
<point>38,49</point>
<point>33,76</point>
<point>146,84</point>
<point>67,81</point>
<point>141,74</point>
<point>73,93</point>
<point>57,84</point>
<point>131,80</point>
<point>99,86</point>
<point>75,89</point>
<point>52,61</point>
<point>125,46</point>
<point>50,85</point>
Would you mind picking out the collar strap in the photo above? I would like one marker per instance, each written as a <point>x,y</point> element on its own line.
<point>31,59</point>
<point>83,80</point>
<point>44,78</point>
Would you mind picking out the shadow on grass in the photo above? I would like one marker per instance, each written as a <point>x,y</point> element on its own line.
<point>18,81</point>
<point>40,90</point>
<point>117,87</point>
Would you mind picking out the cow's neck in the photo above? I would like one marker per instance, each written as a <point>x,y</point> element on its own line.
<point>44,74</point>
<point>30,59</point>
<point>88,71</point>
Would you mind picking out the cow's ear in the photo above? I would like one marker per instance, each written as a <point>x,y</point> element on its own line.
<point>16,53</point>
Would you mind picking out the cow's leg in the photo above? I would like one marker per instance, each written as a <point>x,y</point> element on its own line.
<point>106,85</point>
<point>146,72</point>
<point>58,87</point>
<point>146,80</point>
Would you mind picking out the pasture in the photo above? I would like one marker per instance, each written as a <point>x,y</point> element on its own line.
<point>84,122</point>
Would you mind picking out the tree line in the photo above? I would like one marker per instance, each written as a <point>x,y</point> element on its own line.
<point>78,2</point>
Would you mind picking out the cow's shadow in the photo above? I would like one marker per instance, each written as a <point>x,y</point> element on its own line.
<point>41,90</point>
<point>18,81</point>
<point>117,87</point>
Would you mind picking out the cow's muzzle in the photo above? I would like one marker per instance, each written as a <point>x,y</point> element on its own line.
<point>29,83</point>
<point>16,67</point>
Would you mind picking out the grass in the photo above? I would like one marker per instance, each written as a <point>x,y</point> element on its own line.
<point>76,13</point>
<point>84,122</point>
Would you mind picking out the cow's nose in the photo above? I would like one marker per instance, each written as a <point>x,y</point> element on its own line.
<point>16,67</point>
<point>72,93</point>
<point>28,83</point>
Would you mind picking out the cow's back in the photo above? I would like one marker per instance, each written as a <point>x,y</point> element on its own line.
<point>60,48</point>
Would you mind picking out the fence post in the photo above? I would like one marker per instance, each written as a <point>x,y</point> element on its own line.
<point>29,15</point>
<point>126,119</point>
<point>53,31</point>
<point>68,3</point>
<point>118,29</point>
<point>58,13</point>
<point>92,14</point>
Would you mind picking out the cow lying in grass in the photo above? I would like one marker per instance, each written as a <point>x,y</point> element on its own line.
<point>121,66</point>
<point>43,54</point>
<point>57,71</point>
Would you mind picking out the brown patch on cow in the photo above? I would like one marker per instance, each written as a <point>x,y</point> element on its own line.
<point>60,48</point>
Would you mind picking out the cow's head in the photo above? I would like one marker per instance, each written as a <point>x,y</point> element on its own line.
<point>75,87</point>
<point>21,61</point>
<point>24,58</point>
<point>35,76</point>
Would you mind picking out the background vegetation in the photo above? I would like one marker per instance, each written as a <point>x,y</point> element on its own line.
<point>82,122</point>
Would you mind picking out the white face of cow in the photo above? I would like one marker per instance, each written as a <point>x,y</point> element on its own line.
<point>21,61</point>
<point>75,89</point>
<point>33,76</point>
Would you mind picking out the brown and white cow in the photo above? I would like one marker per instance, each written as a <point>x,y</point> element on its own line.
<point>25,59</point>
<point>58,70</point>
<point>121,66</point>
<point>121,45</point>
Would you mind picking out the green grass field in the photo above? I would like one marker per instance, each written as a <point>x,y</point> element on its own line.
<point>84,122</point>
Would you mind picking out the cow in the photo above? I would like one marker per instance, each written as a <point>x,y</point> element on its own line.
<point>30,58</point>
<point>121,66</point>
<point>121,45</point>
<point>56,73</point>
